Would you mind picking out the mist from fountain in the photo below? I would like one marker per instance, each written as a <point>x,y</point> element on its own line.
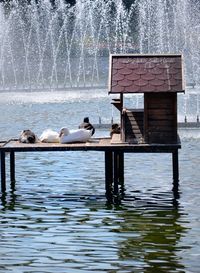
<point>45,46</point>
<point>171,27</point>
<point>59,47</point>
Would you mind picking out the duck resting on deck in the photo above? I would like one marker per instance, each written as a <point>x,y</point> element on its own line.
<point>87,125</point>
<point>80,135</point>
<point>50,136</point>
<point>66,135</point>
<point>27,136</point>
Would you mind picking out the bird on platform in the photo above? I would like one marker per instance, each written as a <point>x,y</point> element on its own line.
<point>49,136</point>
<point>115,129</point>
<point>70,136</point>
<point>87,125</point>
<point>27,136</point>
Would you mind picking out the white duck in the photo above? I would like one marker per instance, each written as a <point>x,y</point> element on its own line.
<point>80,135</point>
<point>49,136</point>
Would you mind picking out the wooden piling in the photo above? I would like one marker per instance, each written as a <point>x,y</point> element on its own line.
<point>12,169</point>
<point>12,166</point>
<point>175,167</point>
<point>121,169</point>
<point>116,173</point>
<point>3,172</point>
<point>108,173</point>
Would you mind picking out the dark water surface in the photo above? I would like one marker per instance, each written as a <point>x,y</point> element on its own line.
<point>58,220</point>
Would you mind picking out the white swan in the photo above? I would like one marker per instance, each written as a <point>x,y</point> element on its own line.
<point>80,135</point>
<point>49,136</point>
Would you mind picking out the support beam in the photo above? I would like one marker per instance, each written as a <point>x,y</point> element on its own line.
<point>108,173</point>
<point>3,172</point>
<point>116,172</point>
<point>121,170</point>
<point>175,170</point>
<point>12,169</point>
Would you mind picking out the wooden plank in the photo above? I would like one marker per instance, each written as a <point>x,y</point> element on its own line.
<point>116,138</point>
<point>134,116</point>
<point>160,122</point>
<point>160,101</point>
<point>164,138</point>
<point>159,112</point>
<point>175,123</point>
<point>131,110</point>
<point>104,141</point>
<point>129,123</point>
<point>3,172</point>
<point>134,127</point>
<point>133,120</point>
<point>121,171</point>
<point>12,166</point>
<point>131,139</point>
<point>161,134</point>
<point>116,173</point>
<point>160,105</point>
<point>134,113</point>
<point>161,129</point>
<point>160,96</point>
<point>160,117</point>
<point>103,144</point>
<point>123,125</point>
<point>175,168</point>
<point>108,174</point>
<point>134,133</point>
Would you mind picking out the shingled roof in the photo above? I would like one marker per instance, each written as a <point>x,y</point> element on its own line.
<point>145,73</point>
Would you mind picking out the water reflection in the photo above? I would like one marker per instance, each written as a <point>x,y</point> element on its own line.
<point>85,233</point>
<point>153,233</point>
<point>8,200</point>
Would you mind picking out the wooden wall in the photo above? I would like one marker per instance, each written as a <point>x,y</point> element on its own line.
<point>160,117</point>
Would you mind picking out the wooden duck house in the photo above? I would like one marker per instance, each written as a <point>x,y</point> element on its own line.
<point>159,78</point>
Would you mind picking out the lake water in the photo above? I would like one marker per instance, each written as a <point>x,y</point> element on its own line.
<point>58,220</point>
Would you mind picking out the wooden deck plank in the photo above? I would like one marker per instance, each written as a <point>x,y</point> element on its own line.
<point>114,157</point>
<point>99,144</point>
<point>2,143</point>
<point>116,138</point>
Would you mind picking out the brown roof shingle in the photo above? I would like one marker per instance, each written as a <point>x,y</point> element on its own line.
<point>146,73</point>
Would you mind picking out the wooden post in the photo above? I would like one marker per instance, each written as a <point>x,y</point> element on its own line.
<point>121,170</point>
<point>3,172</point>
<point>108,173</point>
<point>116,173</point>
<point>123,116</point>
<point>175,170</point>
<point>12,168</point>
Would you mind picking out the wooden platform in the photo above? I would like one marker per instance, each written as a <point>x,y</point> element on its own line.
<point>113,148</point>
<point>95,144</point>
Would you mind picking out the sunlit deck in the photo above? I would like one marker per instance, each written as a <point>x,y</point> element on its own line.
<point>113,148</point>
<point>95,144</point>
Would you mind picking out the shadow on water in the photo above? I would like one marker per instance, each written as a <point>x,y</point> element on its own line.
<point>88,234</point>
<point>155,228</point>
